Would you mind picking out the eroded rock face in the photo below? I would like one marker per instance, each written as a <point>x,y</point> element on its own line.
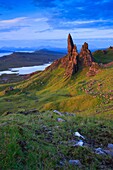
<point>85,56</point>
<point>69,62</point>
<point>72,66</point>
<point>94,69</point>
<point>72,61</point>
<point>54,65</point>
<point>70,44</point>
<point>72,58</point>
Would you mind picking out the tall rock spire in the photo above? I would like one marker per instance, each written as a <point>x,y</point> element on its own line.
<point>70,44</point>
<point>85,56</point>
<point>74,61</point>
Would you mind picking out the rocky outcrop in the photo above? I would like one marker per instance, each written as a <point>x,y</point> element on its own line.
<point>69,62</point>
<point>94,69</point>
<point>72,58</point>
<point>73,61</point>
<point>72,66</point>
<point>85,56</point>
<point>54,65</point>
<point>70,44</point>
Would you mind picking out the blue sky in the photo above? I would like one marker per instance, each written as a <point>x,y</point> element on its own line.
<point>27,22</point>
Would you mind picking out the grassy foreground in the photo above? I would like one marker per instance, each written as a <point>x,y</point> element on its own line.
<point>31,137</point>
<point>39,141</point>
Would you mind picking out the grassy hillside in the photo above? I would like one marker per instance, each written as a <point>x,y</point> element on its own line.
<point>31,137</point>
<point>51,90</point>
<point>103,56</point>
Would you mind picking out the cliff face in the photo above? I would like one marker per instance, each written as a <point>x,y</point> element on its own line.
<point>72,65</point>
<point>70,61</point>
<point>73,60</point>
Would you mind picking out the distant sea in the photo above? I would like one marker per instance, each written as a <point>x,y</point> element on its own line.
<point>25,70</point>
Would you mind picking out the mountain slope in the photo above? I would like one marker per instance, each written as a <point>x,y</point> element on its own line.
<point>40,116</point>
<point>52,90</point>
<point>65,86</point>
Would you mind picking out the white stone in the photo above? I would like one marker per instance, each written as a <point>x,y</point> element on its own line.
<point>60,120</point>
<point>79,143</point>
<point>79,135</point>
<point>59,113</point>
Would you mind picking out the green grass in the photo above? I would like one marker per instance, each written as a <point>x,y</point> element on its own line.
<point>40,142</point>
<point>51,90</point>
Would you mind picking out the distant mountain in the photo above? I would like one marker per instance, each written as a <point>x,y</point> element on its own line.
<point>5,51</point>
<point>21,59</point>
<point>19,49</point>
<point>13,49</point>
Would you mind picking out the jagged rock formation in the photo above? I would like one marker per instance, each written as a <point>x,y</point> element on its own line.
<point>70,44</point>
<point>85,56</point>
<point>70,61</point>
<point>72,66</point>
<point>73,60</point>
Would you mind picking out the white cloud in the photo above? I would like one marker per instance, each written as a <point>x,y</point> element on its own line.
<point>41,19</point>
<point>33,24</point>
<point>12,21</point>
<point>31,29</point>
<point>86,21</point>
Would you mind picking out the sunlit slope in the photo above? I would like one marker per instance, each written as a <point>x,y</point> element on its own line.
<point>52,90</point>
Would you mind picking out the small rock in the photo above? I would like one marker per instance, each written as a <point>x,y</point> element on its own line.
<point>60,120</point>
<point>79,135</point>
<point>75,162</point>
<point>100,151</point>
<point>59,113</point>
<point>110,146</point>
<point>79,143</point>
<point>70,114</point>
<point>108,152</point>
